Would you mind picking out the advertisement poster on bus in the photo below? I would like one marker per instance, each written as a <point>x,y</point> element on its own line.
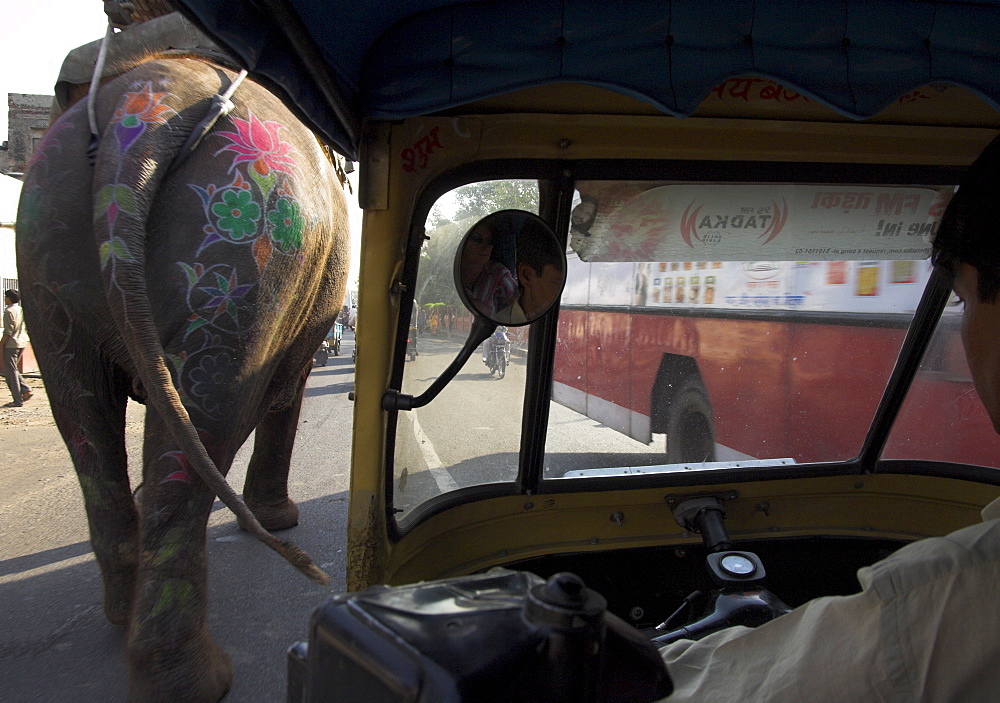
<point>823,286</point>
<point>866,286</point>
<point>650,221</point>
<point>764,247</point>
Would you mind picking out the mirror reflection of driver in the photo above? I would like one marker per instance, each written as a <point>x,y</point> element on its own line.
<point>539,267</point>
<point>488,283</point>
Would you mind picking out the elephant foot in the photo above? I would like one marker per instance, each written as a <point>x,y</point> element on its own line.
<point>274,516</point>
<point>200,672</point>
<point>119,588</point>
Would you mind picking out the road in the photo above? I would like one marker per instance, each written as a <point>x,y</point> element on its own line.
<point>55,644</point>
<point>471,433</point>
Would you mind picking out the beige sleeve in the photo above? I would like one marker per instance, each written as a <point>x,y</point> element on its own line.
<point>830,649</point>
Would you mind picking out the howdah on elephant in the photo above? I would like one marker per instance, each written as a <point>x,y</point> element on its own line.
<point>200,286</point>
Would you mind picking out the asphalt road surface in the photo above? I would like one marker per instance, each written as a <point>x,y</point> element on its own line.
<point>470,434</point>
<point>55,644</point>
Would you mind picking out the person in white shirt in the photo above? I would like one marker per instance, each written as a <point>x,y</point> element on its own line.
<point>13,342</point>
<point>926,624</point>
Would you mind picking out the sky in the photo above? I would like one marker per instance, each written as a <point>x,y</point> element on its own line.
<point>36,35</point>
<point>34,38</point>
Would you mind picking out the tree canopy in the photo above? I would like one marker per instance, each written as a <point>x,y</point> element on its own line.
<point>436,281</point>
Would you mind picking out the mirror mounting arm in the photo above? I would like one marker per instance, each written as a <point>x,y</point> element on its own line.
<point>480,332</point>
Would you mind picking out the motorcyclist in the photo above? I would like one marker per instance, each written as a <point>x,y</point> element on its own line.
<point>499,339</point>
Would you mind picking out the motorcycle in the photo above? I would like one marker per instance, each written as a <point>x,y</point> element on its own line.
<point>498,352</point>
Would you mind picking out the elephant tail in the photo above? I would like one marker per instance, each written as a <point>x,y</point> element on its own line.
<point>135,154</point>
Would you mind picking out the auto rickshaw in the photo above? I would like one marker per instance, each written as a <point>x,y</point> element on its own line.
<point>747,378</point>
<point>330,344</point>
<point>335,337</point>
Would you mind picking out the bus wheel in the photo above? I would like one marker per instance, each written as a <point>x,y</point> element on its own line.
<point>690,434</point>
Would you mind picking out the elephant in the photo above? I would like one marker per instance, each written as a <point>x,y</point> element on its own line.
<point>200,285</point>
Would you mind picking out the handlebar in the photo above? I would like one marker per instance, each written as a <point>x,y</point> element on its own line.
<point>749,608</point>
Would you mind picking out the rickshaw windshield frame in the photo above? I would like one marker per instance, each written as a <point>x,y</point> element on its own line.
<point>556,204</point>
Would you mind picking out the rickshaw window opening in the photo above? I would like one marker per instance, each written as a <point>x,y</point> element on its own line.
<point>531,471</point>
<point>397,474</point>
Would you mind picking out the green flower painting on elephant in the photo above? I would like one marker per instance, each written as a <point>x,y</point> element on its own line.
<point>237,214</point>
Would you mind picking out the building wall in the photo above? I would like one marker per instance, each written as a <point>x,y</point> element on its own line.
<point>27,120</point>
<point>8,264</point>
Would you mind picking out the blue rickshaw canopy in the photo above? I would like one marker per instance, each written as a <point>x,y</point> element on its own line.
<point>340,62</point>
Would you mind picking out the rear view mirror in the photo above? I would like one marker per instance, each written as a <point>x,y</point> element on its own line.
<point>510,268</point>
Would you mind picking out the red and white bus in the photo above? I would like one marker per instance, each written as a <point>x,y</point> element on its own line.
<point>737,338</point>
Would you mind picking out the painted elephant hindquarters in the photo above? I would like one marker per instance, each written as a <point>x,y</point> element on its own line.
<point>202,290</point>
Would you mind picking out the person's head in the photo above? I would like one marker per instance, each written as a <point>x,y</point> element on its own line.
<point>967,245</point>
<point>584,213</point>
<point>476,253</point>
<point>540,262</point>
<point>11,296</point>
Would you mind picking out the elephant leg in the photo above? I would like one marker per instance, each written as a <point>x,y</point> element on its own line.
<point>171,656</point>
<point>91,420</point>
<point>266,488</point>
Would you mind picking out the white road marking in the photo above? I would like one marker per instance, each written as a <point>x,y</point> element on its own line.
<point>441,476</point>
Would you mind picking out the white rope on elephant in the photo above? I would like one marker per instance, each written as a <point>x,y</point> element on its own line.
<point>219,106</point>
<point>95,83</point>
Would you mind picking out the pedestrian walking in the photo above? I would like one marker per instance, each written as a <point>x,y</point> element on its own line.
<point>15,338</point>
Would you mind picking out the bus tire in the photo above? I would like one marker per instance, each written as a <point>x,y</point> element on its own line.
<point>690,430</point>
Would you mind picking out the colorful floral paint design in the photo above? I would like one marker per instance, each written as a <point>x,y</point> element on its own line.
<point>287,225</point>
<point>220,309</point>
<point>254,205</point>
<point>259,200</point>
<point>238,214</point>
<point>258,144</point>
<point>139,109</point>
<point>136,113</point>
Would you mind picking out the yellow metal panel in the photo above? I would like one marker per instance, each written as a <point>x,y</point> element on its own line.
<point>711,139</point>
<point>476,536</point>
